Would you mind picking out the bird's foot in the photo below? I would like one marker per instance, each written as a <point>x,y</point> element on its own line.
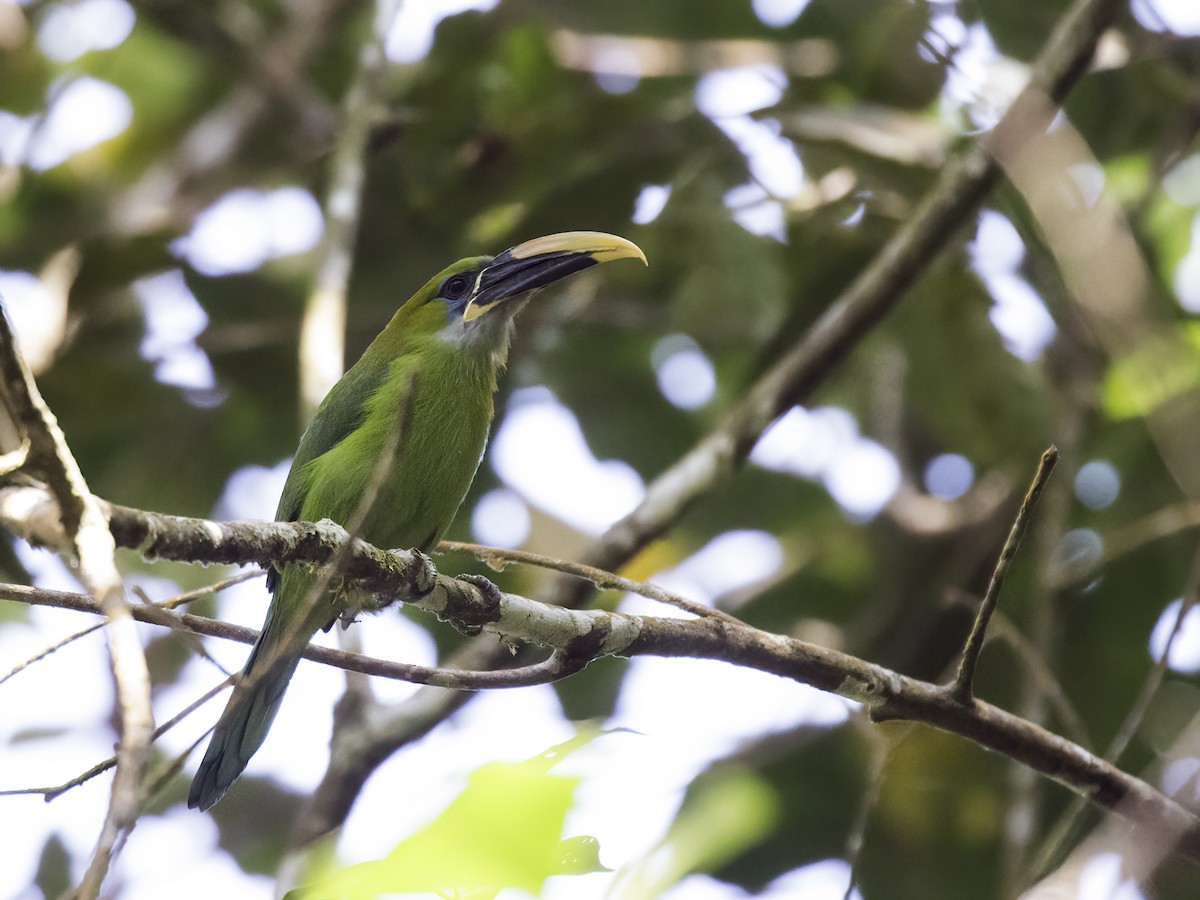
<point>491,601</point>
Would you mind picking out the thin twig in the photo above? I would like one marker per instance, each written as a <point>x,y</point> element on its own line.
<point>201,592</point>
<point>551,669</point>
<point>190,596</point>
<point>882,745</point>
<point>48,651</point>
<point>169,603</point>
<point>1003,629</point>
<point>1060,833</point>
<point>52,793</point>
<point>603,580</point>
<point>961,687</point>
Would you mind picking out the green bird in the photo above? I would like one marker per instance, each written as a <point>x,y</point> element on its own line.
<point>422,392</point>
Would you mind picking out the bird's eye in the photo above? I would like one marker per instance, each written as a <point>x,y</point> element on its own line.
<point>455,286</point>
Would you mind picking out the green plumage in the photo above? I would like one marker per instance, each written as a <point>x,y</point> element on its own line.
<point>424,386</point>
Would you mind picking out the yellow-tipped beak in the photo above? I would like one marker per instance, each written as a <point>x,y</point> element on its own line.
<point>601,247</point>
<point>542,261</point>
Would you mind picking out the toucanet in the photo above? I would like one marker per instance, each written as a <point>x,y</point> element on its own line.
<point>421,394</point>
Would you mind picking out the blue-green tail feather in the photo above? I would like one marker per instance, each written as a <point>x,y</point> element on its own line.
<point>246,720</point>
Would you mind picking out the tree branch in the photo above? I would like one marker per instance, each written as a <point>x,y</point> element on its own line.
<point>553,668</point>
<point>84,531</point>
<point>581,635</point>
<point>607,581</point>
<point>961,687</point>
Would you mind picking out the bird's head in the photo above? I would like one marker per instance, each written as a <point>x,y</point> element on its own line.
<point>473,301</point>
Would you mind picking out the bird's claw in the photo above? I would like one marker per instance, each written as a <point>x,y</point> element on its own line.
<point>491,597</point>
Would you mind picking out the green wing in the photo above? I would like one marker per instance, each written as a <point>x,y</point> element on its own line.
<point>343,410</point>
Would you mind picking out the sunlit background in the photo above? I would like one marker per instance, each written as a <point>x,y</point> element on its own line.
<point>681,715</point>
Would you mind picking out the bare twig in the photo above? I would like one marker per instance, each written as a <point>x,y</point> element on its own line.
<point>49,651</point>
<point>960,688</point>
<point>607,581</point>
<point>52,793</point>
<point>169,603</point>
<point>551,669</point>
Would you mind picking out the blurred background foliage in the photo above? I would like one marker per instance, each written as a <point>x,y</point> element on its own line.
<point>760,153</point>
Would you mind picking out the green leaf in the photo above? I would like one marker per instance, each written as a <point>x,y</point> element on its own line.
<point>1157,371</point>
<point>503,830</point>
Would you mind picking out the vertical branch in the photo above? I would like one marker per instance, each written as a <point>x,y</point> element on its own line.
<point>87,526</point>
<point>960,688</point>
<point>322,333</point>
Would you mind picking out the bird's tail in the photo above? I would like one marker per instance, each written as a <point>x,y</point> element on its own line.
<point>248,716</point>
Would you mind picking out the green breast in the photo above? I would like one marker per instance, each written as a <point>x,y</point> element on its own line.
<point>445,395</point>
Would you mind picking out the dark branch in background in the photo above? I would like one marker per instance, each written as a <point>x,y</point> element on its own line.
<point>87,538</point>
<point>963,184</point>
<point>169,195</point>
<point>579,636</point>
<point>961,688</point>
<point>1035,668</point>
